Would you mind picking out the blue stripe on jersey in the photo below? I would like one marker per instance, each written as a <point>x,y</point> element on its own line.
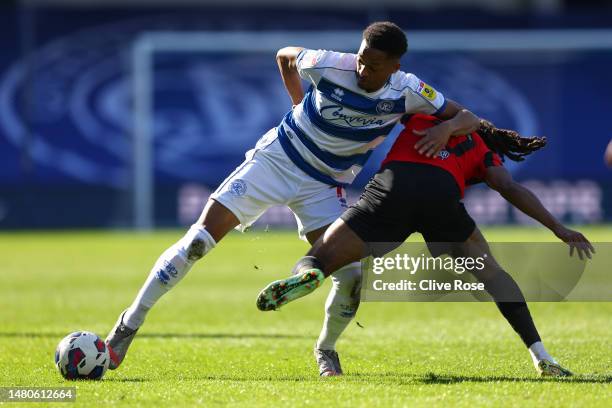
<point>352,133</point>
<point>298,58</point>
<point>330,159</point>
<point>360,103</point>
<point>295,157</point>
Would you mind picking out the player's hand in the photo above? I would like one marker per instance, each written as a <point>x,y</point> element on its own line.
<point>434,139</point>
<point>576,241</point>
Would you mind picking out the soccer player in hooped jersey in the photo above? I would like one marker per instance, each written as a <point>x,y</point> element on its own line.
<point>304,163</point>
<point>414,193</point>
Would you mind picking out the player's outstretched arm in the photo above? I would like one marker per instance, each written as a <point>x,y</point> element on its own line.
<point>499,179</point>
<point>286,58</point>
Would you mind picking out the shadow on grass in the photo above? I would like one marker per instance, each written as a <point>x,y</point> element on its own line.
<point>432,378</point>
<point>387,378</point>
<point>127,379</point>
<point>390,378</point>
<point>170,335</point>
<point>221,377</point>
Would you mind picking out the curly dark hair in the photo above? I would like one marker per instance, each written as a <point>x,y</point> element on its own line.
<point>387,37</point>
<point>508,142</point>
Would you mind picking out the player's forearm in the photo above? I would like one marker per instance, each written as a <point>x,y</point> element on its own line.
<point>290,76</point>
<point>523,199</point>
<point>456,121</point>
<point>464,122</point>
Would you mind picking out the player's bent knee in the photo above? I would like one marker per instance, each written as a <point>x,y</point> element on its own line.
<point>196,243</point>
<point>217,219</point>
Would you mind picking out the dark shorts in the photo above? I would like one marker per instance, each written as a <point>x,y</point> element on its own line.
<point>403,198</point>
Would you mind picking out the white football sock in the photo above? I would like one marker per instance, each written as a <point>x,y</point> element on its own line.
<point>538,352</point>
<point>169,269</point>
<point>341,305</point>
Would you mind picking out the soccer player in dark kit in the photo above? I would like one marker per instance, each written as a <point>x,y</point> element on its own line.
<point>416,193</point>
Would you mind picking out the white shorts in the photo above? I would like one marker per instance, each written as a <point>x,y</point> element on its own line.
<point>267,177</point>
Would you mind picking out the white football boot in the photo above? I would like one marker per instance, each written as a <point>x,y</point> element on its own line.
<point>328,362</point>
<point>118,342</point>
<point>547,368</point>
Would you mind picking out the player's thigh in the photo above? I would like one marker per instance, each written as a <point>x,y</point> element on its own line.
<point>313,236</point>
<point>316,206</point>
<point>217,219</point>
<point>384,216</point>
<point>446,227</point>
<point>259,183</point>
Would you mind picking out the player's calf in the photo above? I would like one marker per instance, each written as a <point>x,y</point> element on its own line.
<point>170,268</point>
<point>341,305</point>
<point>176,261</point>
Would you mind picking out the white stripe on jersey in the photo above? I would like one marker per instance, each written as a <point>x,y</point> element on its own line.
<point>334,129</point>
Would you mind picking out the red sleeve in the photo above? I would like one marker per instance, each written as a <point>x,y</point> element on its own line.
<point>492,159</point>
<point>487,158</point>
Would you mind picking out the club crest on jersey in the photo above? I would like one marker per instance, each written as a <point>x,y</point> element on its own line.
<point>237,187</point>
<point>426,91</point>
<point>385,107</point>
<point>443,154</point>
<point>338,94</point>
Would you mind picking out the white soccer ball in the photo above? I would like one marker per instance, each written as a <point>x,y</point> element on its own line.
<point>82,355</point>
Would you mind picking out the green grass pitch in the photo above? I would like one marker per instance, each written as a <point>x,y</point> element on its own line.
<point>206,343</point>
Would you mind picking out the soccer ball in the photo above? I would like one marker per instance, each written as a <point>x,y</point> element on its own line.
<point>82,355</point>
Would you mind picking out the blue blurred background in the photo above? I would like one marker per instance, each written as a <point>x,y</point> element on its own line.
<point>68,86</point>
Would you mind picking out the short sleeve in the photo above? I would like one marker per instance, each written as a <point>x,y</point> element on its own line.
<point>478,160</point>
<point>311,63</point>
<point>492,159</point>
<point>488,159</point>
<point>422,98</point>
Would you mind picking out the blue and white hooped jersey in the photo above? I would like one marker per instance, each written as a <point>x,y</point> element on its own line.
<point>332,132</point>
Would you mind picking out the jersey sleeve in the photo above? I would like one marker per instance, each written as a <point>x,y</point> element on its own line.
<point>421,97</point>
<point>311,64</point>
<point>488,158</point>
<point>478,160</point>
<point>491,159</point>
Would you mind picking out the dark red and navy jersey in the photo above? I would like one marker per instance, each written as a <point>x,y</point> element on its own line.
<point>465,157</point>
